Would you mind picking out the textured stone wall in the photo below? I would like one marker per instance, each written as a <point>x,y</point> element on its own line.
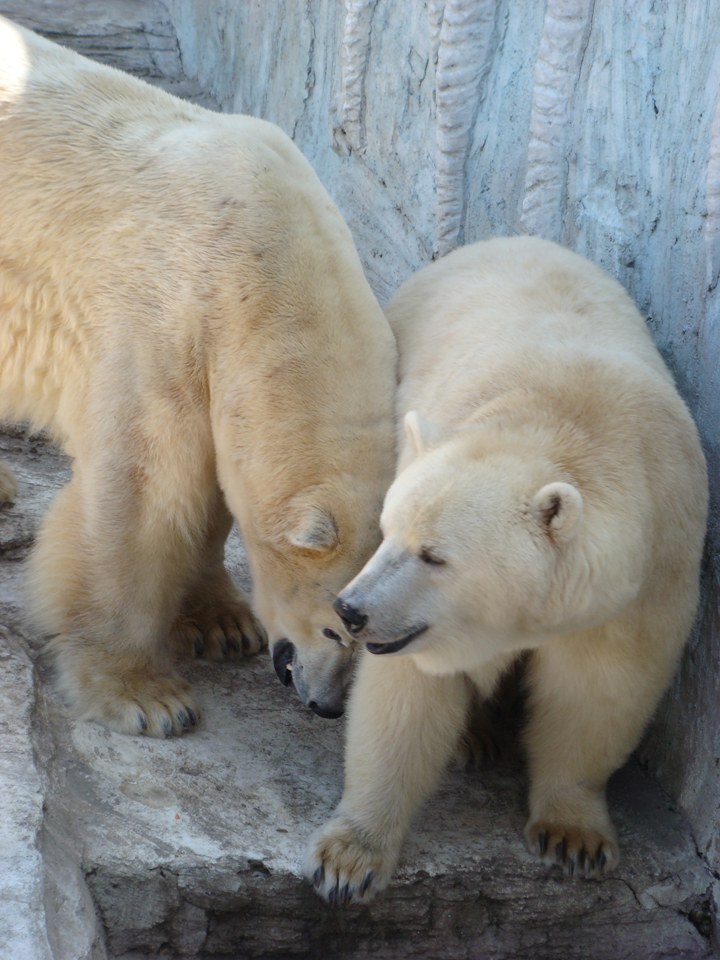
<point>592,122</point>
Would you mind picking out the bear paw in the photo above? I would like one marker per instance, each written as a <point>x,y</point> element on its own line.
<point>479,747</point>
<point>156,707</point>
<point>226,631</point>
<point>344,866</point>
<point>127,699</point>
<point>582,852</point>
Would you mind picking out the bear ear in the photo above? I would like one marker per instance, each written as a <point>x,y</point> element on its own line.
<point>422,434</point>
<point>558,508</point>
<point>313,529</point>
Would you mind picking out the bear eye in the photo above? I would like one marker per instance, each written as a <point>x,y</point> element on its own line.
<point>333,635</point>
<point>427,556</point>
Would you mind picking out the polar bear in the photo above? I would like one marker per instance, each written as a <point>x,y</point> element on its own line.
<point>182,306</point>
<point>550,498</point>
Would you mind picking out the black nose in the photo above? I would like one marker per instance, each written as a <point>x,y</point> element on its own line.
<point>327,713</point>
<point>283,653</point>
<point>353,619</point>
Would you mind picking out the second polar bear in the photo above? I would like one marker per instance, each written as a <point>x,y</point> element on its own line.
<point>551,497</point>
<point>183,307</point>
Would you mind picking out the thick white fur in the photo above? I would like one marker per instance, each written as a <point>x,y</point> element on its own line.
<point>182,305</point>
<point>553,481</point>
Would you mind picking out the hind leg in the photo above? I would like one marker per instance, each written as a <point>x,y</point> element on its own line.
<point>216,620</point>
<point>495,713</point>
<point>482,741</point>
<point>107,575</point>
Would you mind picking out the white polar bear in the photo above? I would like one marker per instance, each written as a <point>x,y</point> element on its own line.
<point>182,305</point>
<point>556,504</point>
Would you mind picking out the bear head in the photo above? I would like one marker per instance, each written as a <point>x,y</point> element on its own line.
<point>487,548</point>
<point>324,535</point>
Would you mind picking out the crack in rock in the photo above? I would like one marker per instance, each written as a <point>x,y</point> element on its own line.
<point>712,194</point>
<point>309,73</point>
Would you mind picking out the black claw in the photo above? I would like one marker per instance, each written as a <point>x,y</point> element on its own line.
<point>199,646</point>
<point>368,879</point>
<point>245,644</point>
<point>223,646</point>
<point>345,895</point>
<point>602,860</point>
<point>235,645</point>
<point>590,867</point>
<point>560,849</point>
<point>143,722</point>
<point>182,719</point>
<point>571,866</point>
<point>332,894</point>
<point>191,715</point>
<point>318,877</point>
<point>167,727</point>
<point>543,842</point>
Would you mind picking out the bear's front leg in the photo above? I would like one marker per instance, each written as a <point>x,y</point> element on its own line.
<point>216,620</point>
<point>402,728</point>
<point>107,575</point>
<point>584,722</point>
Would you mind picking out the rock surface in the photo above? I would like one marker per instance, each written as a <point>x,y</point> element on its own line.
<point>132,35</point>
<point>119,847</point>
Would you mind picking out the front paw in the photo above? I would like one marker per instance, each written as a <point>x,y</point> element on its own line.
<point>344,865</point>
<point>122,695</point>
<point>216,632</point>
<point>583,852</point>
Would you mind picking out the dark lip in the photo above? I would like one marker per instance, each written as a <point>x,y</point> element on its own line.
<point>396,645</point>
<point>327,713</point>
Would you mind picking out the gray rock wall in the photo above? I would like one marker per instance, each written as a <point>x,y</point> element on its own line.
<point>592,122</point>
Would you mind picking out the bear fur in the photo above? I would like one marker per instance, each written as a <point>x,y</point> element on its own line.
<point>183,307</point>
<point>8,484</point>
<point>550,505</point>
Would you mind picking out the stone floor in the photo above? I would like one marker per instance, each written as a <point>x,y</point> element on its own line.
<point>130,848</point>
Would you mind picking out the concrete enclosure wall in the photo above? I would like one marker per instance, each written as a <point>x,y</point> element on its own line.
<point>595,123</point>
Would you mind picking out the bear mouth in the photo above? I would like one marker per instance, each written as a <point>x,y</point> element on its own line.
<point>396,645</point>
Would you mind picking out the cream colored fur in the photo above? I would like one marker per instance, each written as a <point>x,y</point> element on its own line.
<point>182,305</point>
<point>553,501</point>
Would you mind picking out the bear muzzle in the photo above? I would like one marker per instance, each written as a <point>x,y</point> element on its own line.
<point>353,618</point>
<point>282,657</point>
<point>285,661</point>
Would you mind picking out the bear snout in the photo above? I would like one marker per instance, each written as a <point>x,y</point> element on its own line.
<point>327,711</point>
<point>282,657</point>
<point>354,619</point>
